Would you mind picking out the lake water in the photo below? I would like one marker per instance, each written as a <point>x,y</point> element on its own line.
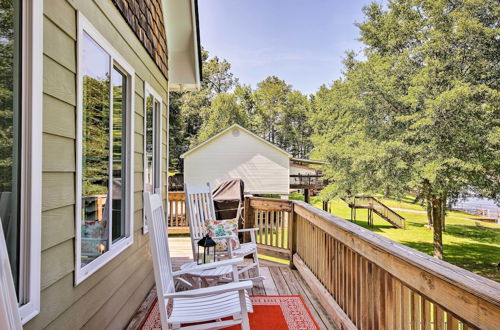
<point>472,205</point>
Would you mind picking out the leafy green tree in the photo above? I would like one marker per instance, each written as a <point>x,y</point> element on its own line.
<point>225,111</point>
<point>274,111</point>
<point>190,110</point>
<point>245,98</point>
<point>217,76</point>
<point>270,99</point>
<point>95,145</point>
<point>421,111</point>
<point>294,130</point>
<point>6,93</point>
<point>281,116</point>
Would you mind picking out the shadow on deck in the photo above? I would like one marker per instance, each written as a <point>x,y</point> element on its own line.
<point>280,281</point>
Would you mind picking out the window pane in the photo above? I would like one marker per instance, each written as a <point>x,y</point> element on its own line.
<point>150,149</point>
<point>119,152</point>
<point>10,130</point>
<point>157,138</point>
<point>96,151</point>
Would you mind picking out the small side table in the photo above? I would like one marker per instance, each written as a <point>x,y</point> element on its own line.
<point>207,277</point>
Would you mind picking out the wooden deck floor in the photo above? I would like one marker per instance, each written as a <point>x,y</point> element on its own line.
<point>280,280</point>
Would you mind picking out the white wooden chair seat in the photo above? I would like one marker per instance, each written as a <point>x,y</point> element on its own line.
<point>200,209</point>
<point>202,309</point>
<point>245,249</point>
<point>198,305</point>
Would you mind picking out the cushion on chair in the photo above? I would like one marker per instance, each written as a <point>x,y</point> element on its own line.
<point>216,228</point>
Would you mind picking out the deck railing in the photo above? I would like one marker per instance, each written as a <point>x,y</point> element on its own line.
<point>307,181</point>
<point>366,281</point>
<point>176,213</point>
<point>272,217</point>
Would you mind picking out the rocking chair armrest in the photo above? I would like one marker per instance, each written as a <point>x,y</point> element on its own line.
<point>230,287</point>
<point>228,262</point>
<point>227,237</point>
<point>247,230</point>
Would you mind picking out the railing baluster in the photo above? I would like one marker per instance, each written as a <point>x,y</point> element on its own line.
<point>372,283</point>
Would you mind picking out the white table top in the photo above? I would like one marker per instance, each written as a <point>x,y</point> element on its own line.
<point>212,272</point>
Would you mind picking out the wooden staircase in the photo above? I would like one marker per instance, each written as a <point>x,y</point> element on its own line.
<point>373,205</point>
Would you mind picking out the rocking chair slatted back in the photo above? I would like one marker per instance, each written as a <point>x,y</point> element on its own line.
<point>200,208</point>
<point>159,248</point>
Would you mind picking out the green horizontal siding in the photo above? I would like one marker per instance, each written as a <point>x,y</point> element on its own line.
<point>108,298</point>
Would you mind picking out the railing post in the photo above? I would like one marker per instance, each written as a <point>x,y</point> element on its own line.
<point>249,218</point>
<point>292,235</point>
<point>306,196</point>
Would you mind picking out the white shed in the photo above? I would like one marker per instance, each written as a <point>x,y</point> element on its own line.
<point>239,153</point>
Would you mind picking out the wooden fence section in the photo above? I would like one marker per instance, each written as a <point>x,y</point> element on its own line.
<point>366,281</point>
<point>177,217</point>
<point>272,217</point>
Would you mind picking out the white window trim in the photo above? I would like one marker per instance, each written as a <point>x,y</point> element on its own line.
<point>82,273</point>
<point>149,90</point>
<point>31,159</point>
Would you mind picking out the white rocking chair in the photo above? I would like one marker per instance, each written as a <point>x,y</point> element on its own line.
<point>9,310</point>
<point>200,208</point>
<point>199,305</point>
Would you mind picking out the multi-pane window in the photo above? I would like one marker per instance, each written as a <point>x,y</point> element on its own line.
<point>105,165</point>
<point>20,144</point>
<point>152,142</point>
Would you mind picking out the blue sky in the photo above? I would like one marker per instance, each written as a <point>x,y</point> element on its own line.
<point>300,41</point>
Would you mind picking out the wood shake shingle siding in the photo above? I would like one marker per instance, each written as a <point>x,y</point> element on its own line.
<point>145,18</point>
<point>109,297</point>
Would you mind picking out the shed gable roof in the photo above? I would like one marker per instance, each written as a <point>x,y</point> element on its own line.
<point>242,129</point>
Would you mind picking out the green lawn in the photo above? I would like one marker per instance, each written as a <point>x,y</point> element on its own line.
<point>469,244</point>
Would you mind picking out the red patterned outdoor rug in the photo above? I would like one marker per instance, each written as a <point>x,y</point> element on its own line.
<point>269,313</point>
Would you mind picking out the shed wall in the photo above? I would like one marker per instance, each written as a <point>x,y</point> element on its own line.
<point>264,169</point>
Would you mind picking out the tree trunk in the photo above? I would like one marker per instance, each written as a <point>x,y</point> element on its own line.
<point>443,211</point>
<point>437,218</point>
<point>429,213</point>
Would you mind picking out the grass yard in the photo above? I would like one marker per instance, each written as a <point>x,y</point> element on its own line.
<point>469,244</point>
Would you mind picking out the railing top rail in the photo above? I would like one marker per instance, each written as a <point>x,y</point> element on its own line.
<point>306,175</point>
<point>379,202</point>
<point>176,196</point>
<point>285,201</point>
<point>474,284</point>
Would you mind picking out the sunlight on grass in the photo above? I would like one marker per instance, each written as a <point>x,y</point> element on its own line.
<point>279,260</point>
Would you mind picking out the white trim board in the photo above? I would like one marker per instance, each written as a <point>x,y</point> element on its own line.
<point>157,138</point>
<point>31,159</point>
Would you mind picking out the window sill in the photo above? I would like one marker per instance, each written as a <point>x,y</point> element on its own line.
<point>85,272</point>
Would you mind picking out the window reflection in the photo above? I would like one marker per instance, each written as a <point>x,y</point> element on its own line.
<point>95,144</point>
<point>10,130</point>
<point>119,143</point>
<point>150,149</point>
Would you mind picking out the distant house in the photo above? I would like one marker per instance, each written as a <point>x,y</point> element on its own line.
<point>299,169</point>
<point>238,153</point>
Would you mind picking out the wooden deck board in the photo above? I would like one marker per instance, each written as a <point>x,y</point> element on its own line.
<point>297,289</point>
